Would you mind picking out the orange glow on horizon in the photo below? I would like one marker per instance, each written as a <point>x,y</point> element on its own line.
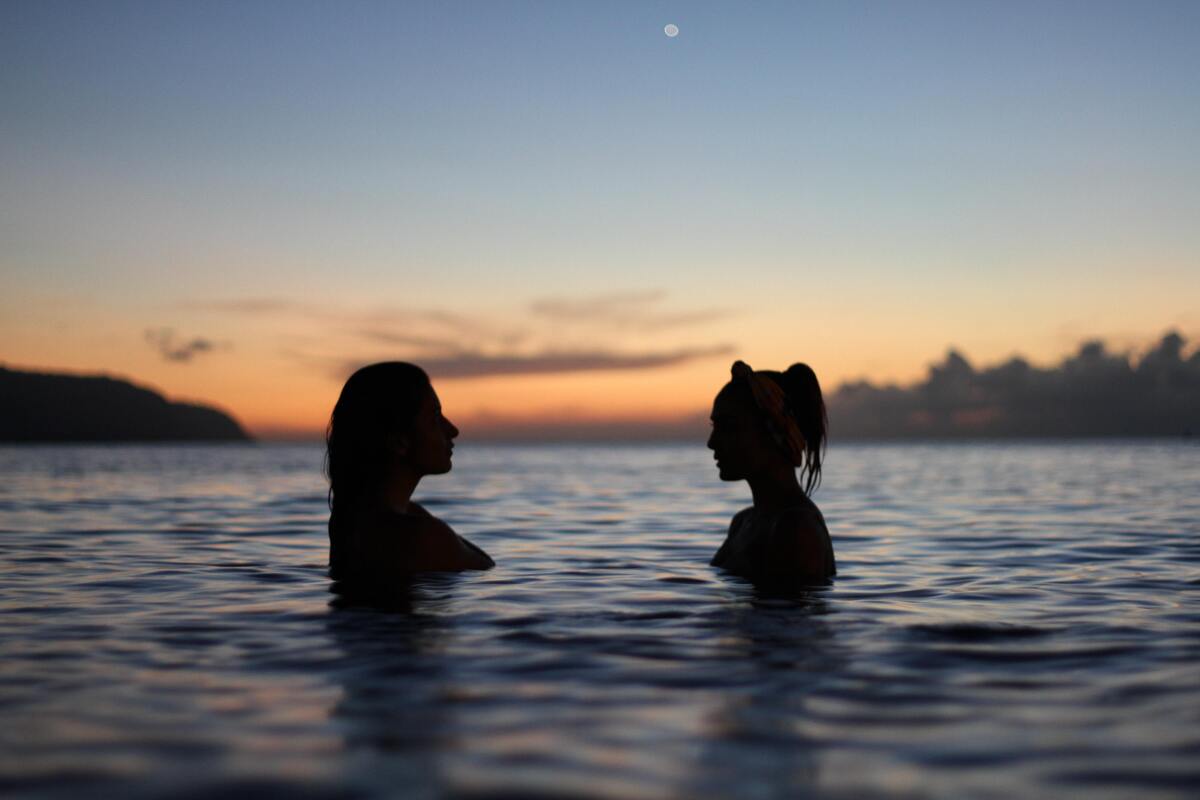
<point>254,375</point>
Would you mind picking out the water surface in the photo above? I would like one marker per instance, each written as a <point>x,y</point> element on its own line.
<point>1009,620</point>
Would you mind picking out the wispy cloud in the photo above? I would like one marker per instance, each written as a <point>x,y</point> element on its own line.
<point>631,310</point>
<point>477,365</point>
<point>576,424</point>
<point>467,365</point>
<point>553,335</point>
<point>424,344</point>
<point>421,328</point>
<point>250,305</point>
<point>172,348</point>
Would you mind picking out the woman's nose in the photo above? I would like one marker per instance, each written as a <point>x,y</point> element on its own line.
<point>451,429</point>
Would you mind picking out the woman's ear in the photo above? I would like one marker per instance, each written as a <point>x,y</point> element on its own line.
<point>398,444</point>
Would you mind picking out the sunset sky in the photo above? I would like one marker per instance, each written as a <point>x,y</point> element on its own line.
<point>566,214</point>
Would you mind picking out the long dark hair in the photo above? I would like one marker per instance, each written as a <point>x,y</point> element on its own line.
<point>377,402</point>
<point>807,406</point>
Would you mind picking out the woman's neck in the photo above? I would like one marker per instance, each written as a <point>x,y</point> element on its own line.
<point>776,492</point>
<point>398,490</point>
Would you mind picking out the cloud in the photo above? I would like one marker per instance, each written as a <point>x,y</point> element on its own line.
<point>1092,393</point>
<point>434,330</point>
<point>632,310</point>
<point>574,424</point>
<point>473,364</point>
<point>476,365</point>
<point>421,328</point>
<point>601,305</point>
<point>170,348</point>
<point>553,335</point>
<point>637,310</point>
<point>250,305</point>
<point>425,344</point>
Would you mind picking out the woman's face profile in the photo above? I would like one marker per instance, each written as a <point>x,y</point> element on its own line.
<point>739,441</point>
<point>431,441</point>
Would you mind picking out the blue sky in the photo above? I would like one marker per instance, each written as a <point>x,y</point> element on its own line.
<point>858,184</point>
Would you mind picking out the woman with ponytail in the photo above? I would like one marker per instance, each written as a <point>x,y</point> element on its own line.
<point>386,432</point>
<point>766,425</point>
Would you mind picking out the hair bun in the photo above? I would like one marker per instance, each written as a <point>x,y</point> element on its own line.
<point>801,373</point>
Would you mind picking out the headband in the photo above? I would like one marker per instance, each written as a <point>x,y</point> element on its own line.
<point>772,402</point>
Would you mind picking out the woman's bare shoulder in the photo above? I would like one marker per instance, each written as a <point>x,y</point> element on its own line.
<point>415,509</point>
<point>721,557</point>
<point>418,542</point>
<point>736,521</point>
<point>799,540</point>
<point>438,548</point>
<point>802,518</point>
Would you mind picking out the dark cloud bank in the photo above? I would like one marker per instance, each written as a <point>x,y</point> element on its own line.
<point>1091,393</point>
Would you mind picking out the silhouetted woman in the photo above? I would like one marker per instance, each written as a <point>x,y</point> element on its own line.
<point>765,425</point>
<point>387,432</point>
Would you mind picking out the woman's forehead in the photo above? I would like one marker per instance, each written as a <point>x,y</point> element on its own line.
<point>429,402</point>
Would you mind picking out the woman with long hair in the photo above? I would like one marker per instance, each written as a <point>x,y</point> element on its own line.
<point>386,432</point>
<point>766,425</point>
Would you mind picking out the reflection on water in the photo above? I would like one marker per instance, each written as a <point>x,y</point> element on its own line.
<point>1009,620</point>
<point>393,710</point>
<point>752,745</point>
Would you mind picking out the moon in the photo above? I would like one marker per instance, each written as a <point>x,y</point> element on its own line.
<point>671,30</point>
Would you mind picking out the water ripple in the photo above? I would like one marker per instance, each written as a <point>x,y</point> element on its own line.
<point>1009,620</point>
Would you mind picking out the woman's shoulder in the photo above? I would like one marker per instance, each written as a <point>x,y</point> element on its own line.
<point>373,527</point>
<point>415,509</point>
<point>803,514</point>
<point>383,519</point>
<point>415,526</point>
<point>740,517</point>
<point>413,540</point>
<point>800,537</point>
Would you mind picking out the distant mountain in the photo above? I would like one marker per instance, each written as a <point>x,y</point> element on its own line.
<point>46,407</point>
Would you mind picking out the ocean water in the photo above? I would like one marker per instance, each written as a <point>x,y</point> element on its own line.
<point>1010,620</point>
